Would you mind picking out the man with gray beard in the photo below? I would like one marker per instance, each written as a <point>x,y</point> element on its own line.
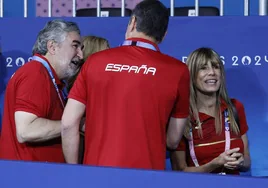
<point>34,98</point>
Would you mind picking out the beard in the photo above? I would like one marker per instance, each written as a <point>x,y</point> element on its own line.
<point>69,68</point>
<point>70,71</point>
<point>73,68</point>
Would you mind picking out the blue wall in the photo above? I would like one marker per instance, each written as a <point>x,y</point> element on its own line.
<point>231,7</point>
<point>242,49</point>
<point>44,175</point>
<point>14,8</point>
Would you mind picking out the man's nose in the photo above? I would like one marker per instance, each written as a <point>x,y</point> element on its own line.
<point>80,53</point>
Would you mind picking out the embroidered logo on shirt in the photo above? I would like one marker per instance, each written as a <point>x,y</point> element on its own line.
<point>130,69</point>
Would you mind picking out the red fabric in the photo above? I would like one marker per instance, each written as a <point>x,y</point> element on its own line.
<point>205,154</point>
<point>127,112</point>
<point>31,90</point>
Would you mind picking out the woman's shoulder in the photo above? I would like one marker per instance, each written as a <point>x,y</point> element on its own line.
<point>238,104</point>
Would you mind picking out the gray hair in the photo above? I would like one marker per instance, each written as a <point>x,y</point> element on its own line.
<point>55,30</point>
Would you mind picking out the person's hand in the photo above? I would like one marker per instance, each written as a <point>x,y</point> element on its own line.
<point>238,163</point>
<point>226,157</point>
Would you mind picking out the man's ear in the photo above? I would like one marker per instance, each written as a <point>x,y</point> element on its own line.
<point>51,47</point>
<point>133,23</point>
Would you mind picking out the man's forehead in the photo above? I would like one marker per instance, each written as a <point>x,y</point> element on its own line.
<point>74,37</point>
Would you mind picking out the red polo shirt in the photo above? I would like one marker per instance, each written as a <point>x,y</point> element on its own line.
<point>128,107</point>
<point>205,154</point>
<point>31,90</point>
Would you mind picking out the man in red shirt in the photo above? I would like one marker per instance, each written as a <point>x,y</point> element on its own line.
<point>34,99</point>
<point>129,94</point>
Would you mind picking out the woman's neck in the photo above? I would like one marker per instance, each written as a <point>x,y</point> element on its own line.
<point>206,103</point>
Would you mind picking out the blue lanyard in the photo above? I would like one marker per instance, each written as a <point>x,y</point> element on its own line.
<point>226,120</point>
<point>140,44</point>
<point>46,65</point>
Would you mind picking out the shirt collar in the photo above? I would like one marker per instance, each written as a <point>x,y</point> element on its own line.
<point>204,117</point>
<point>146,41</point>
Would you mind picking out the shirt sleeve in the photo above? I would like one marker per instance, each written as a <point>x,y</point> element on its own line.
<point>32,91</point>
<point>242,116</point>
<point>79,89</point>
<point>181,108</point>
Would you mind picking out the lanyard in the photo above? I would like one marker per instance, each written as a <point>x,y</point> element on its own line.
<point>140,44</point>
<point>45,64</point>
<point>227,138</point>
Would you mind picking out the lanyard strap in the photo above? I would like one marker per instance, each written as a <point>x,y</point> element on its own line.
<point>140,44</point>
<point>227,138</point>
<point>227,130</point>
<point>46,65</point>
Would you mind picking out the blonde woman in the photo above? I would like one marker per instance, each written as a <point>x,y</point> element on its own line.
<point>215,139</point>
<point>90,45</point>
